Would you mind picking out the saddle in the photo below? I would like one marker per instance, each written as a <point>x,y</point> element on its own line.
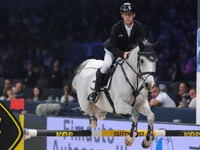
<point>107,78</point>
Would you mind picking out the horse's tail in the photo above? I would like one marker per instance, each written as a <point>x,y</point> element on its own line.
<point>78,71</point>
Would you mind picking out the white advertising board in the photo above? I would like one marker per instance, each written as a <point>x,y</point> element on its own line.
<point>115,143</point>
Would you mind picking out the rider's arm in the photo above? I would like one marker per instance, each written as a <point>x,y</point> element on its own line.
<point>114,42</point>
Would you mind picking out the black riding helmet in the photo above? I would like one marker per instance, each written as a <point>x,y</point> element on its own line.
<point>126,7</point>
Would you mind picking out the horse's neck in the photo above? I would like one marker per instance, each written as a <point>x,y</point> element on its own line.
<point>132,60</point>
<point>131,68</point>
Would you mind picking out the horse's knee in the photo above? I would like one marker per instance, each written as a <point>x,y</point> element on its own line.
<point>135,112</point>
<point>151,117</point>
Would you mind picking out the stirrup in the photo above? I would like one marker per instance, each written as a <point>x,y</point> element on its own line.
<point>93,97</point>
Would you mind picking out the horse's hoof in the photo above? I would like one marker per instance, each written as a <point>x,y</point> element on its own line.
<point>146,144</point>
<point>93,124</point>
<point>129,141</point>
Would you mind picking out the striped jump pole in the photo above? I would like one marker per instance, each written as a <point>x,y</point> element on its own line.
<point>109,133</point>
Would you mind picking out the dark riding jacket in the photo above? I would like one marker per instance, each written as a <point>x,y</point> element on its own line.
<point>119,42</point>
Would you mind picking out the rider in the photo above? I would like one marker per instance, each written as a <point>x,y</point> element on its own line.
<point>123,34</point>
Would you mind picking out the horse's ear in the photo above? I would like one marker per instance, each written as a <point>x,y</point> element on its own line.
<point>141,44</point>
<point>157,44</point>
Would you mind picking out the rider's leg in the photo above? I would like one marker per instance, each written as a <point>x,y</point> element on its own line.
<point>108,59</point>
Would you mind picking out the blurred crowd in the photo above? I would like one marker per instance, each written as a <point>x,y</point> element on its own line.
<point>33,45</point>
<point>16,91</point>
<point>183,95</point>
<point>180,95</point>
<point>36,38</point>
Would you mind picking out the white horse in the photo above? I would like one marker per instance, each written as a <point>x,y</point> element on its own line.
<point>128,89</point>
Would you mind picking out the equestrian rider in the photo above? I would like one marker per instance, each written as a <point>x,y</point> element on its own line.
<point>123,34</point>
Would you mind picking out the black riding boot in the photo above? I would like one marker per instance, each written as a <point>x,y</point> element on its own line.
<point>93,97</point>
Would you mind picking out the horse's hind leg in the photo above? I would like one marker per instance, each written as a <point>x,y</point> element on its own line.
<point>145,109</point>
<point>93,121</point>
<point>92,113</point>
<point>96,113</point>
<point>101,115</point>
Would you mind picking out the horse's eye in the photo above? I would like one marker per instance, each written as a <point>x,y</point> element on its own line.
<point>142,61</point>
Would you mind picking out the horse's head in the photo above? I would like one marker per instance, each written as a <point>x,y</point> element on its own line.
<point>146,62</point>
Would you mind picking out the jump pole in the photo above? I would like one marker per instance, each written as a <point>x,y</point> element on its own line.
<point>109,133</point>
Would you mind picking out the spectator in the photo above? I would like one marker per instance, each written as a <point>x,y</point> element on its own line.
<point>192,94</point>
<point>182,97</point>
<point>175,73</point>
<point>38,95</point>
<point>10,94</point>
<point>163,88</point>
<point>19,90</point>
<point>55,80</point>
<point>7,86</point>
<point>31,76</point>
<point>67,98</point>
<point>160,98</point>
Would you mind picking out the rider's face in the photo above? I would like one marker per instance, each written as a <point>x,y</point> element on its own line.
<point>128,17</point>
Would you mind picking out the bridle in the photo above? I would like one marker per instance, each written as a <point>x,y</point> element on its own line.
<point>151,56</point>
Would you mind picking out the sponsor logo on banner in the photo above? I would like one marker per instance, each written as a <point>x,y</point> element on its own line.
<point>113,143</point>
<point>162,143</point>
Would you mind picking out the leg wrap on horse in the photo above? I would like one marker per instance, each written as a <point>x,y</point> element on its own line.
<point>134,125</point>
<point>149,133</point>
<point>93,118</point>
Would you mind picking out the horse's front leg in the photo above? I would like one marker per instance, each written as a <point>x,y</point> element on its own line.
<point>145,109</point>
<point>149,137</point>
<point>122,107</point>
<point>133,132</point>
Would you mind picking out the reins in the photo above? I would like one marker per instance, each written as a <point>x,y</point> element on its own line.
<point>139,76</point>
<point>135,92</point>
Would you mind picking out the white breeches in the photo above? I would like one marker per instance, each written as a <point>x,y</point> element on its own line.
<point>108,59</point>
